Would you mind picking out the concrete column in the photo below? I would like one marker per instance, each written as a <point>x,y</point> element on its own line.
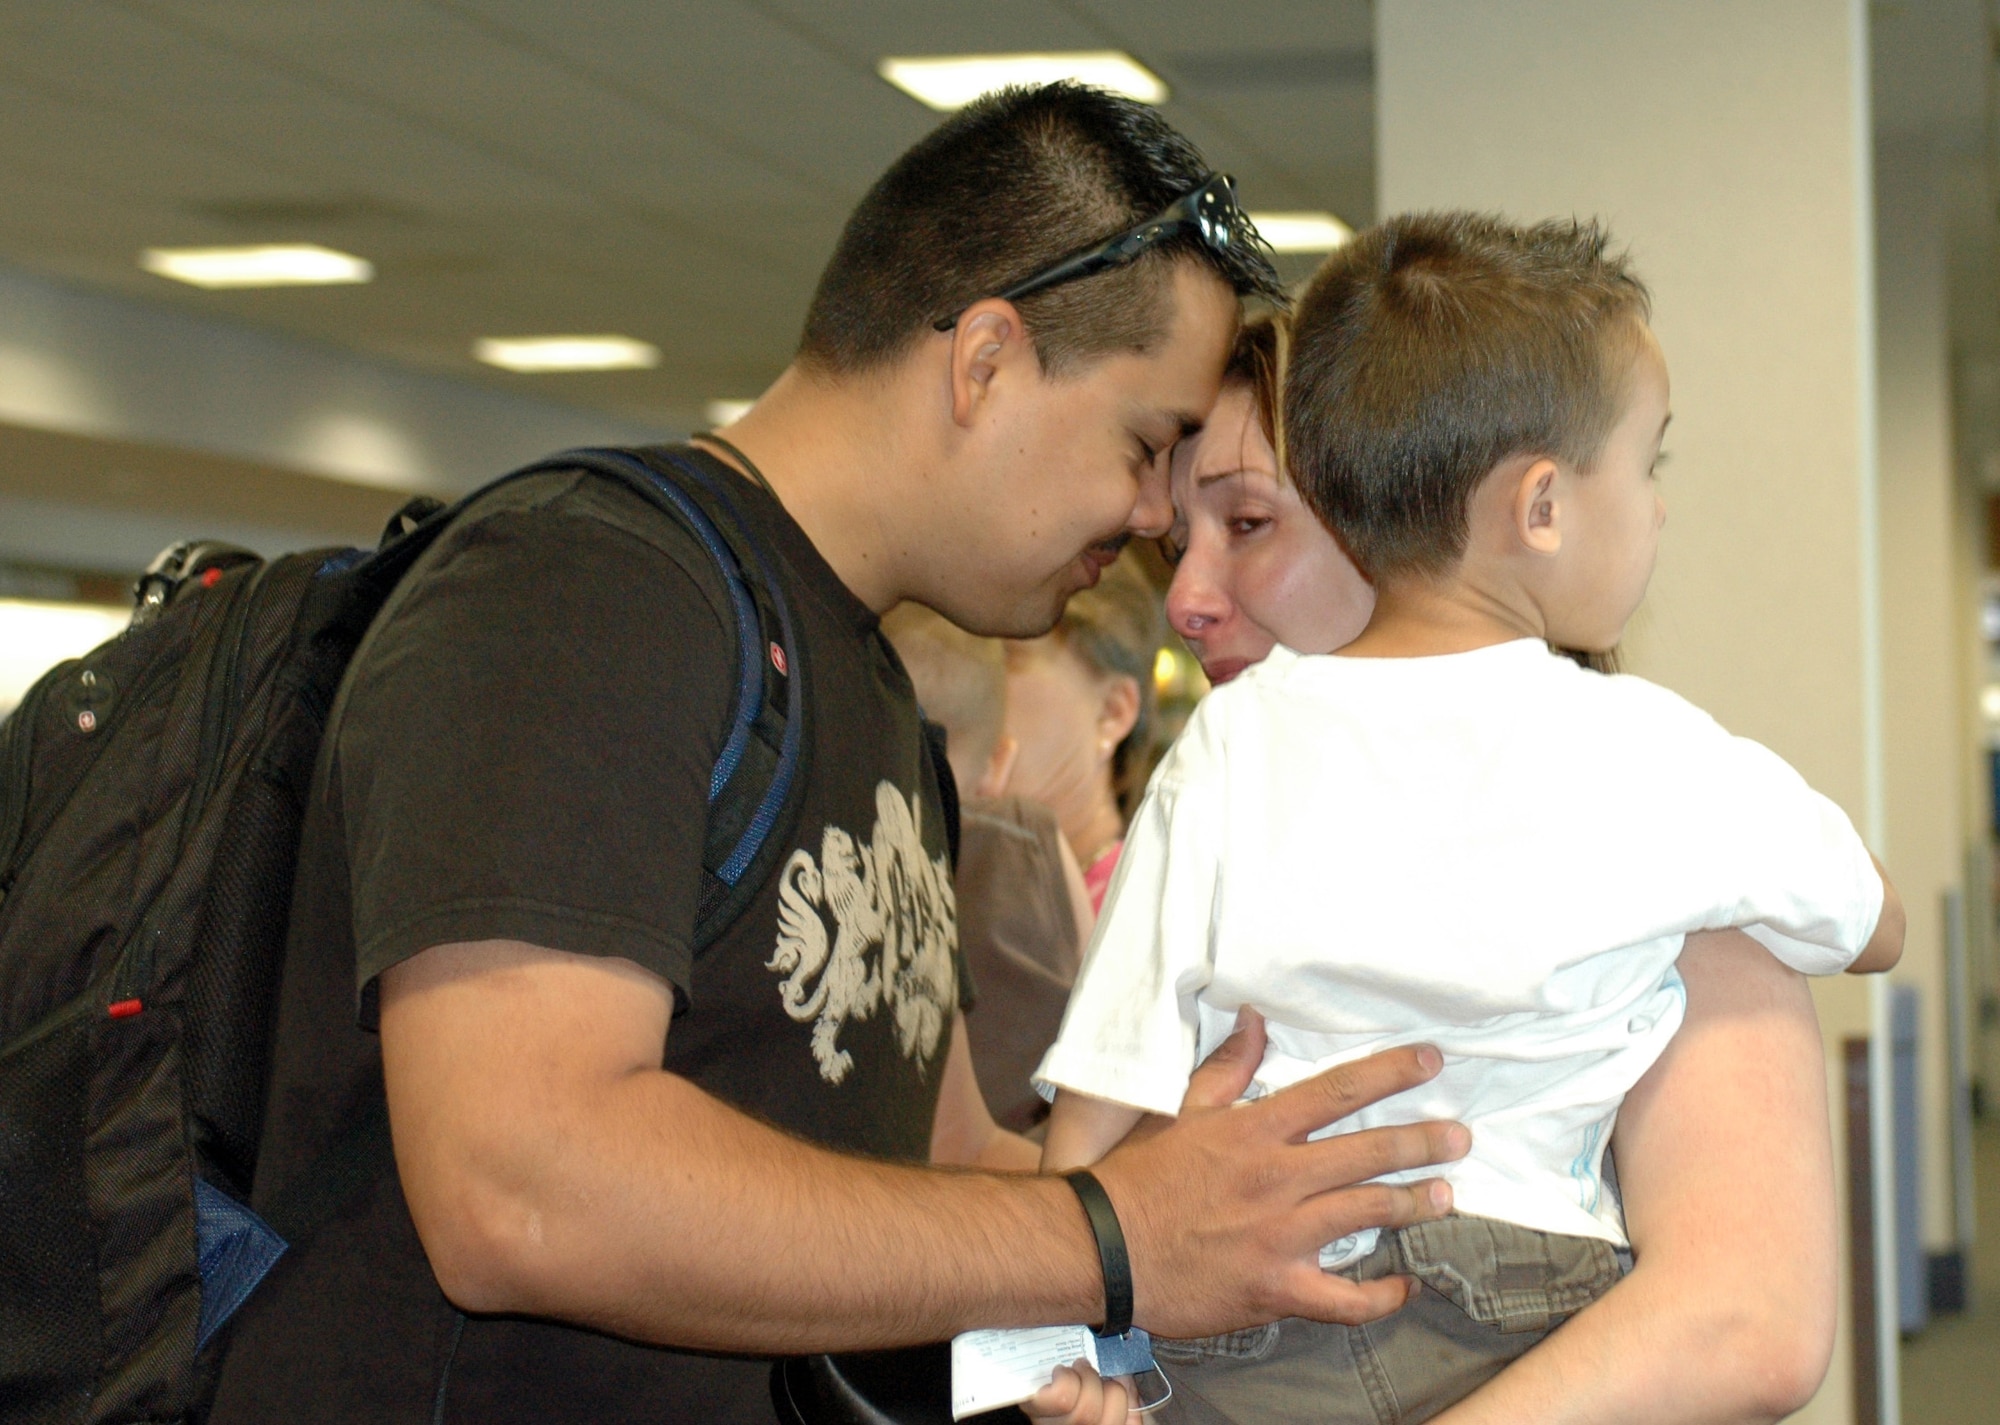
<point>1925,703</point>
<point>1728,145</point>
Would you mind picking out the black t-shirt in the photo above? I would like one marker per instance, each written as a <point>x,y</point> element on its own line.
<point>525,754</point>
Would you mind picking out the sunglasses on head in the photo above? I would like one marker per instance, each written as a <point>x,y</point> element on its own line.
<point>1208,209</point>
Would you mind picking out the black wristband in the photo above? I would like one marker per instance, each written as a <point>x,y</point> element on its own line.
<point>1111,1254</point>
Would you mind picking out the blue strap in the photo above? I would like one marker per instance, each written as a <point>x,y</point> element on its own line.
<point>749,668</point>
<point>749,640</point>
<point>773,803</point>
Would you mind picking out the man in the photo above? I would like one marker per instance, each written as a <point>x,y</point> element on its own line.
<point>624,1171</point>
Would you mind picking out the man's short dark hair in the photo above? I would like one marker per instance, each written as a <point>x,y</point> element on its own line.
<point>1433,347</point>
<point>1011,184</point>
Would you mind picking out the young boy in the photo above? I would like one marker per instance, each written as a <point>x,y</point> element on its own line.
<point>1448,832</point>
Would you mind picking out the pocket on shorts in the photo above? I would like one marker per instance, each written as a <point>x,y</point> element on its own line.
<point>1252,1343</point>
<point>1505,1276</point>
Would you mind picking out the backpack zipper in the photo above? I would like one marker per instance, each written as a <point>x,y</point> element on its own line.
<point>220,698</point>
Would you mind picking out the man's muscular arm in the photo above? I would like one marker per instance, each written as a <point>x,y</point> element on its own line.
<point>553,1169</point>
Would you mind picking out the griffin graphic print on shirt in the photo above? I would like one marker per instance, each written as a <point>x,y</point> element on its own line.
<point>892,919</point>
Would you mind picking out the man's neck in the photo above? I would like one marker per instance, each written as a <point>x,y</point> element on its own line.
<point>1422,618</point>
<point>830,450</point>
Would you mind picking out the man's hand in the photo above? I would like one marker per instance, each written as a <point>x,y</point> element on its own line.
<point>1080,1397</point>
<point>1225,1210</point>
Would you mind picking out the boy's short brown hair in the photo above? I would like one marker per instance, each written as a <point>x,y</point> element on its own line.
<point>1436,345</point>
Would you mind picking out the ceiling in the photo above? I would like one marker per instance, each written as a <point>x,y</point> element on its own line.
<point>675,171</point>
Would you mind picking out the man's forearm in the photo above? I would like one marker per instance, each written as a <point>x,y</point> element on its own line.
<point>553,1169</point>
<point>815,1250</point>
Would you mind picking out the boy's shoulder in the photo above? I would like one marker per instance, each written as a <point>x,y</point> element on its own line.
<point>1423,696</point>
<point>1634,696</point>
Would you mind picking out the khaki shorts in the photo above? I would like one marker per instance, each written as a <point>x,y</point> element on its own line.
<point>1491,1291</point>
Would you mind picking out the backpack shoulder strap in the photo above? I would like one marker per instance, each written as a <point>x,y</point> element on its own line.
<point>751,809</point>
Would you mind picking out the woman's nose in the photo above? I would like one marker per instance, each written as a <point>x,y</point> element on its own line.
<point>1195,601</point>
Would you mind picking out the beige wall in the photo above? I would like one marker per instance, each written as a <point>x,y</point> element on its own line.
<point>1726,143</point>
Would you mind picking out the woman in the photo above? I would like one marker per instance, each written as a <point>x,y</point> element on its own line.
<point>1723,1148</point>
<point>1080,712</point>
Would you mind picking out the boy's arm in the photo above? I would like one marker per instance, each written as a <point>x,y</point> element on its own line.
<point>1885,946</point>
<point>1083,1129</point>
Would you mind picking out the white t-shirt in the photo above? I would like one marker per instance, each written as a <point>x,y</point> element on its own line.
<point>1497,852</point>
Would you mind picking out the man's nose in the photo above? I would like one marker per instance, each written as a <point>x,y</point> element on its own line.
<point>1153,513</point>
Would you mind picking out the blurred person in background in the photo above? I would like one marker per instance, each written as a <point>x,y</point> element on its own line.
<point>1080,704</point>
<point>1023,913</point>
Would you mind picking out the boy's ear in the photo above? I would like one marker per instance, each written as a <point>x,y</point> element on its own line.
<point>1538,522</point>
<point>989,335</point>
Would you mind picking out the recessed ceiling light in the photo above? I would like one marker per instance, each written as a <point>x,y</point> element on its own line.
<point>727,413</point>
<point>953,81</point>
<point>566,353</point>
<point>293,264</point>
<point>1302,232</point>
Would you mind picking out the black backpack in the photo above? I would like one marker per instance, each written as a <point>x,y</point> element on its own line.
<point>151,796</point>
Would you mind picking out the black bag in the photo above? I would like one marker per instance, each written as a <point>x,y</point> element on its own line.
<point>151,796</point>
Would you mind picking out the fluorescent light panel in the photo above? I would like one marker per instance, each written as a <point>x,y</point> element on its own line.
<point>727,413</point>
<point>952,81</point>
<point>296,264</point>
<point>1302,232</point>
<point>567,353</point>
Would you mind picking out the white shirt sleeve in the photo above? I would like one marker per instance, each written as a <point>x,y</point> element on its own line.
<point>1130,1030</point>
<point>1804,884</point>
